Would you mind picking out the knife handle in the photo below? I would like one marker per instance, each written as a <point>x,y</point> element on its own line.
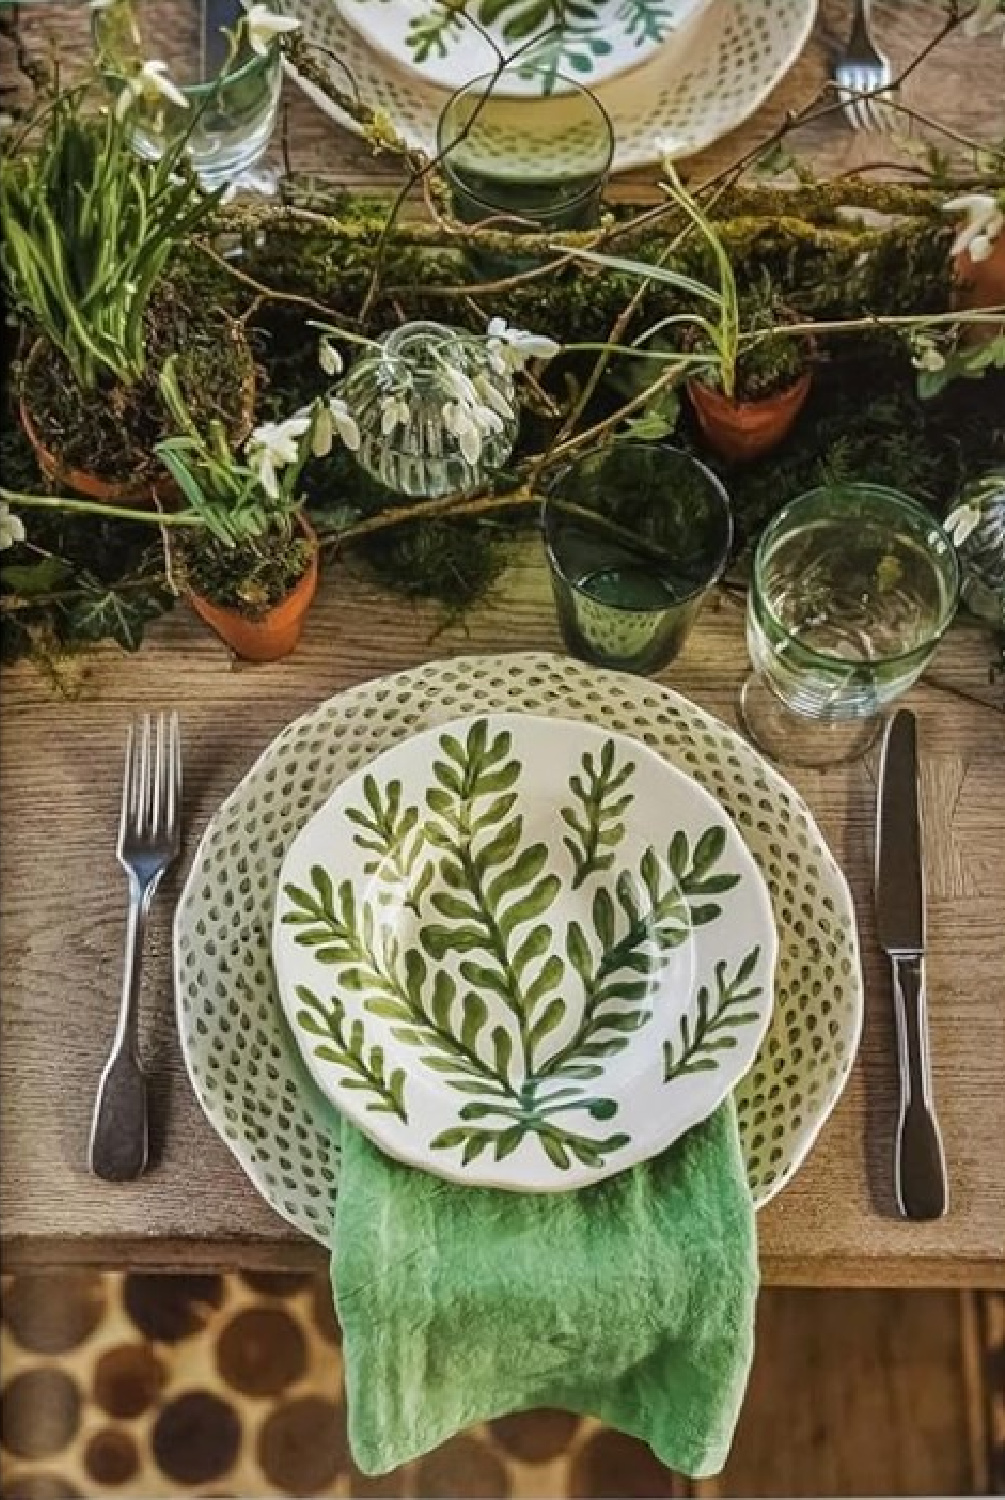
<point>920,1164</point>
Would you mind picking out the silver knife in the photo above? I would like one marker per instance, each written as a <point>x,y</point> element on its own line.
<point>919,1162</point>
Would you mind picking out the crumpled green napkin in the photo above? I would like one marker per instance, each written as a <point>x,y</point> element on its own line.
<point>632,1301</point>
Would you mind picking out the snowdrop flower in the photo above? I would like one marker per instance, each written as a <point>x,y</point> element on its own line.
<point>264,26</point>
<point>458,420</point>
<point>983,222</point>
<point>927,356</point>
<point>962,521</point>
<point>394,412</point>
<point>333,417</point>
<point>511,348</point>
<point>11,527</point>
<point>491,396</point>
<point>272,446</point>
<point>329,358</point>
<point>152,83</point>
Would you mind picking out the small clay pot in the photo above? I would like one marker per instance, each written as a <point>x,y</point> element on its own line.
<point>112,492</point>
<point>981,283</point>
<point>744,430</point>
<point>138,490</point>
<point>277,633</point>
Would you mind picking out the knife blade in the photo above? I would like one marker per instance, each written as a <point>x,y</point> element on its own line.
<point>919,1159</point>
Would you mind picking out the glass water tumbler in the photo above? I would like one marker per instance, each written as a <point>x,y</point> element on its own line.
<point>636,535</point>
<point>853,587</point>
<point>534,163</point>
<point>231,100</point>
<point>404,397</point>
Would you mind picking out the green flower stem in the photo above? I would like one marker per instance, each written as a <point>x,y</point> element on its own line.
<point>96,508</point>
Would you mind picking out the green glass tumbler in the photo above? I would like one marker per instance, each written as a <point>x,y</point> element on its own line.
<point>853,587</point>
<point>530,165</point>
<point>636,535</point>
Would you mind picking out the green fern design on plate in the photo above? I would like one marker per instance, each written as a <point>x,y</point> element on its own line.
<point>637,931</point>
<point>597,823</point>
<point>646,20</point>
<point>394,834</point>
<point>395,985</point>
<point>346,1048</point>
<point>713,1027</point>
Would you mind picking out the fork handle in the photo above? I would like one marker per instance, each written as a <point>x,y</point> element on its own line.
<point>119,1132</point>
<point>861,37</point>
<point>919,1164</point>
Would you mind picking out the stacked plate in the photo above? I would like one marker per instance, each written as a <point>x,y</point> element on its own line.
<point>524,923</point>
<point>674,75</point>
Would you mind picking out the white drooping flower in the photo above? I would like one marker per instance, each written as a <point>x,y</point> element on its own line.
<point>329,358</point>
<point>511,348</point>
<point>11,527</point>
<point>490,395</point>
<point>962,521</point>
<point>151,83</point>
<point>394,412</point>
<point>272,446</point>
<point>926,354</point>
<point>983,222</point>
<point>333,417</point>
<point>264,25</point>
<point>459,420</point>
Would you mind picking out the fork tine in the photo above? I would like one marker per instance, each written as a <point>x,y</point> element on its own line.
<point>157,789</point>
<point>144,802</point>
<point>174,781</point>
<point>128,782</point>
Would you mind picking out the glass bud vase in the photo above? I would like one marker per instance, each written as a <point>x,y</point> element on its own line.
<point>436,410</point>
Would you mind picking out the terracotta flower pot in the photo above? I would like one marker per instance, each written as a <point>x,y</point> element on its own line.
<point>138,490</point>
<point>276,633</point>
<point>981,283</point>
<point>743,430</point>
<point>112,492</point>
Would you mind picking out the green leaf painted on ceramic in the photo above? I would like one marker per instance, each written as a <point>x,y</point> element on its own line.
<point>714,1025</point>
<point>345,1046</point>
<point>596,822</point>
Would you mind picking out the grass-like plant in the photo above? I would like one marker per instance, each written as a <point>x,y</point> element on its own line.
<point>88,231</point>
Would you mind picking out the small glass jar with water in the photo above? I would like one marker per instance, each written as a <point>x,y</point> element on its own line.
<point>853,587</point>
<point>231,95</point>
<point>436,411</point>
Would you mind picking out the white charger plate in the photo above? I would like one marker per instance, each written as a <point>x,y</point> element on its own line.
<point>523,953</point>
<point>737,53</point>
<point>593,41</point>
<point>244,1065</point>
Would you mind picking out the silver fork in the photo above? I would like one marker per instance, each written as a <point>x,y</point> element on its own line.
<point>861,72</point>
<point>149,840</point>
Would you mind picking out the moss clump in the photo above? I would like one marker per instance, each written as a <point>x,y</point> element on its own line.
<point>252,578</point>
<point>112,431</point>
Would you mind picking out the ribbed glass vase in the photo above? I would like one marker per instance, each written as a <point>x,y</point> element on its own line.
<point>416,402</point>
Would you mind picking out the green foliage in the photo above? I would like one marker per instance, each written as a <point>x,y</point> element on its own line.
<point>713,1027</point>
<point>345,1046</point>
<point>88,231</point>
<point>596,826</point>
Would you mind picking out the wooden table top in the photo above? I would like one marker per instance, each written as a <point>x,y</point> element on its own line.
<point>63,896</point>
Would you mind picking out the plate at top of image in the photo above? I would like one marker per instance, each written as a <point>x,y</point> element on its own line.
<point>451,42</point>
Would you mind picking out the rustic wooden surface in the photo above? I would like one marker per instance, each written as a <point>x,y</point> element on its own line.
<point>961,85</point>
<point>63,911</point>
<point>63,895</point>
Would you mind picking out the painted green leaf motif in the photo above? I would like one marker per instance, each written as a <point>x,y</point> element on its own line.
<point>361,1070</point>
<point>596,823</point>
<point>714,1025</point>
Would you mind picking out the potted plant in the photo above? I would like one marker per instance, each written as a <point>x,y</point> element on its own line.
<point>747,402</point>
<point>89,232</point>
<point>251,570</point>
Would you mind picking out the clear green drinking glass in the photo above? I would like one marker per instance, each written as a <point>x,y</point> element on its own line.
<point>636,535</point>
<point>232,103</point>
<point>534,163</point>
<point>853,587</point>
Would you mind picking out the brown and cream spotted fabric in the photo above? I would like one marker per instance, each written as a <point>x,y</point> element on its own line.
<point>151,1386</point>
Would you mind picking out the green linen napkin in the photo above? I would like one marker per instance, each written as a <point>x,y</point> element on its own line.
<point>632,1301</point>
